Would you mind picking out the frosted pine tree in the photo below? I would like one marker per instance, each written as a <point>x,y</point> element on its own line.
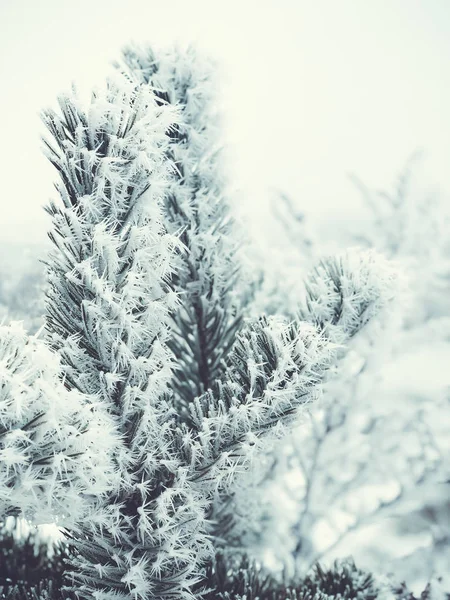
<point>143,312</point>
<point>108,316</point>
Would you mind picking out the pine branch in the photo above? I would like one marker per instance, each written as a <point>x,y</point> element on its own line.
<point>209,315</point>
<point>345,292</point>
<point>274,371</point>
<point>274,368</point>
<point>55,445</point>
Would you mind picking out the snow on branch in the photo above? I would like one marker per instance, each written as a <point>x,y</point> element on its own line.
<point>269,383</point>
<point>275,367</point>
<point>344,292</point>
<point>55,445</point>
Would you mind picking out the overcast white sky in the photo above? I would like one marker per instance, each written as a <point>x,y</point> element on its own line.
<point>312,89</point>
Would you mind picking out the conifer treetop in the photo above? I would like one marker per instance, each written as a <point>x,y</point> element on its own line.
<point>207,273</point>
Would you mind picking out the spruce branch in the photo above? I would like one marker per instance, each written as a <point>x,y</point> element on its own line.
<point>273,369</point>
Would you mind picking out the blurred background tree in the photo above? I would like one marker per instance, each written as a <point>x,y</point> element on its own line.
<point>364,473</point>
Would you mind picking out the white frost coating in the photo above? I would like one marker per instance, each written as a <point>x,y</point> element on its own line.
<point>55,446</point>
<point>344,292</point>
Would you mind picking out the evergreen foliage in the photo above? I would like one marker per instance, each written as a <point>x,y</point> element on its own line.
<point>343,293</point>
<point>55,444</point>
<point>246,581</point>
<point>275,364</point>
<point>209,313</point>
<point>152,394</point>
<point>31,568</point>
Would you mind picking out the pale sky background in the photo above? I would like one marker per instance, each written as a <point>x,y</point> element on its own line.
<point>312,90</point>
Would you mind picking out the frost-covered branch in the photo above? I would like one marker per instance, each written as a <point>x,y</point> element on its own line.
<point>342,295</point>
<point>56,445</point>
<point>273,369</point>
<point>208,316</point>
